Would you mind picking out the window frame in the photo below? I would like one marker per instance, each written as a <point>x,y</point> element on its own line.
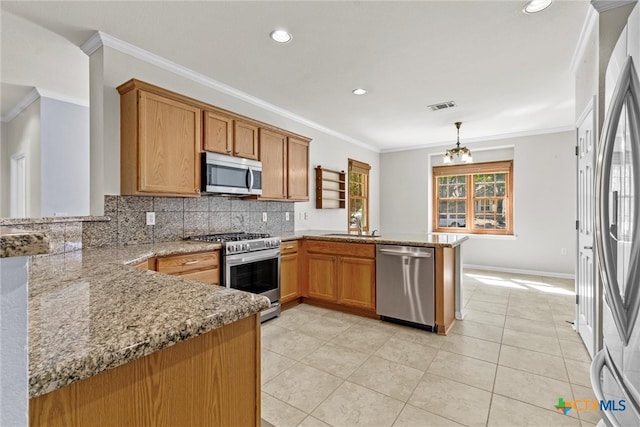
<point>363,169</point>
<point>469,170</point>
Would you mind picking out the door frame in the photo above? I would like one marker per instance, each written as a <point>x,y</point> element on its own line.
<point>18,186</point>
<point>589,113</point>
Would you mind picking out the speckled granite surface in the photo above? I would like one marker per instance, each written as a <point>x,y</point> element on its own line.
<point>89,312</point>
<point>426,240</point>
<point>50,220</point>
<point>22,243</point>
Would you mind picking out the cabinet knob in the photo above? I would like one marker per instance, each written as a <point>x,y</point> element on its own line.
<point>229,151</point>
<point>197,190</point>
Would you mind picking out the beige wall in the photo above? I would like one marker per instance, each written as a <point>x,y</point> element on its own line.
<point>544,201</point>
<point>23,136</point>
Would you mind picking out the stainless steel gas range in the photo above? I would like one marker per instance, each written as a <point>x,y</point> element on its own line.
<point>251,263</point>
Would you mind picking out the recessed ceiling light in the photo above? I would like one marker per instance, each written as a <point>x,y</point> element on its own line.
<point>534,6</point>
<point>281,36</point>
<point>359,91</point>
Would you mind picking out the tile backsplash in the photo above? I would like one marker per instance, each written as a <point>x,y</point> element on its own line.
<point>176,218</point>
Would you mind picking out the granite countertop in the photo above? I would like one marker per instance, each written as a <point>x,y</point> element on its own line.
<point>15,243</point>
<point>409,239</point>
<point>89,311</point>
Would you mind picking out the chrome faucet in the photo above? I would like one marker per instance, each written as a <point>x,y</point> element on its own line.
<point>373,233</point>
<point>359,225</point>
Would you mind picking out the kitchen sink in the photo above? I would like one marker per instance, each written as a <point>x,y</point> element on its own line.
<point>363,236</point>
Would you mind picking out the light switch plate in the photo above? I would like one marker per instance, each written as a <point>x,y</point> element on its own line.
<point>151,218</point>
<point>264,217</point>
<point>286,216</point>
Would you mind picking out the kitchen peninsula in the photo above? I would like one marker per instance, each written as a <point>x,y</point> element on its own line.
<point>350,258</point>
<point>111,343</point>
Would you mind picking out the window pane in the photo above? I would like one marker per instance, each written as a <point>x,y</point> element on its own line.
<point>462,188</point>
<point>487,204</point>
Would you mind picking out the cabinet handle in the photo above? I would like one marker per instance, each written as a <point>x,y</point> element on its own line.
<point>229,151</point>
<point>288,247</point>
<point>237,152</point>
<point>191,262</point>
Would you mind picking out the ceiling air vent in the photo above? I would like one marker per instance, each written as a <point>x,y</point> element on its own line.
<point>442,105</point>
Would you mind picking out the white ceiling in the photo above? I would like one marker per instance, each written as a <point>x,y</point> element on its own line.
<point>507,72</point>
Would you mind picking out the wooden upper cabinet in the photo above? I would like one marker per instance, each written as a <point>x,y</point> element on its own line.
<point>285,166</point>
<point>273,155</point>
<point>159,143</point>
<point>245,140</point>
<point>298,169</point>
<point>218,133</point>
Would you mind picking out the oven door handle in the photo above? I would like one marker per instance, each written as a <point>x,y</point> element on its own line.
<point>246,258</point>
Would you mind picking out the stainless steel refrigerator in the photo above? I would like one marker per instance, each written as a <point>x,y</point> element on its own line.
<point>615,371</point>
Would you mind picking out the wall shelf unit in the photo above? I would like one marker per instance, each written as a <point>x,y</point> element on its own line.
<point>330,188</point>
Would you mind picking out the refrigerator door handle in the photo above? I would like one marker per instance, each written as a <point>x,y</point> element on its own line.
<point>601,360</point>
<point>624,311</point>
<point>597,365</point>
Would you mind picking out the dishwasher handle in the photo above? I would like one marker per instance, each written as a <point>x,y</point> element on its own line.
<point>405,253</point>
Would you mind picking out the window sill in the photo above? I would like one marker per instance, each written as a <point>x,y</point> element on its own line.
<point>485,236</point>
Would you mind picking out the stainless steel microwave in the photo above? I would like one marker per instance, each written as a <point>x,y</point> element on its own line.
<point>223,174</point>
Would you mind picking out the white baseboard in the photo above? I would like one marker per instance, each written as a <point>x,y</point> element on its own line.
<point>519,271</point>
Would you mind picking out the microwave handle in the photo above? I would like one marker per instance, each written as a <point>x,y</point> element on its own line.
<point>250,179</point>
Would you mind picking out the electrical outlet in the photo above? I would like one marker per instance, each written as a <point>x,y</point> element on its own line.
<point>563,251</point>
<point>151,218</point>
<point>264,217</point>
<point>286,216</point>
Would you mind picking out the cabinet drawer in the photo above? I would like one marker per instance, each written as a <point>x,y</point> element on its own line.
<point>211,276</point>
<point>188,262</point>
<point>364,250</point>
<point>289,247</point>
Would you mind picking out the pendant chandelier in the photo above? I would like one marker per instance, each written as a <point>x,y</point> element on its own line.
<point>463,153</point>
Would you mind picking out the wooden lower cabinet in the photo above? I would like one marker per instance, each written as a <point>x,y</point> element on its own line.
<point>289,272</point>
<point>342,274</point>
<point>357,282</point>
<point>322,277</point>
<point>209,380</point>
<point>200,266</point>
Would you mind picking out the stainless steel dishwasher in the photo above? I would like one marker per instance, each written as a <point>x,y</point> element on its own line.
<point>405,288</point>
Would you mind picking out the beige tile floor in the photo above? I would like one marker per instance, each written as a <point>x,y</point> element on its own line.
<point>506,364</point>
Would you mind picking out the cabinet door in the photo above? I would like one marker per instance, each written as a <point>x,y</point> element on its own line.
<point>273,155</point>
<point>288,277</point>
<point>322,270</point>
<point>357,282</point>
<point>168,146</point>
<point>218,133</point>
<point>298,169</point>
<point>245,140</point>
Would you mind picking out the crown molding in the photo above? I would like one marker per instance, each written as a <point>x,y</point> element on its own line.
<point>35,94</point>
<point>589,24</point>
<point>27,100</point>
<point>604,5</point>
<point>483,139</point>
<point>100,39</point>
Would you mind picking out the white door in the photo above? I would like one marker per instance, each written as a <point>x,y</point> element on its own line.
<point>587,284</point>
<point>18,202</point>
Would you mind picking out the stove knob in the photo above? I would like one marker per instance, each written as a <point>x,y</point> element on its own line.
<point>246,247</point>
<point>231,248</point>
